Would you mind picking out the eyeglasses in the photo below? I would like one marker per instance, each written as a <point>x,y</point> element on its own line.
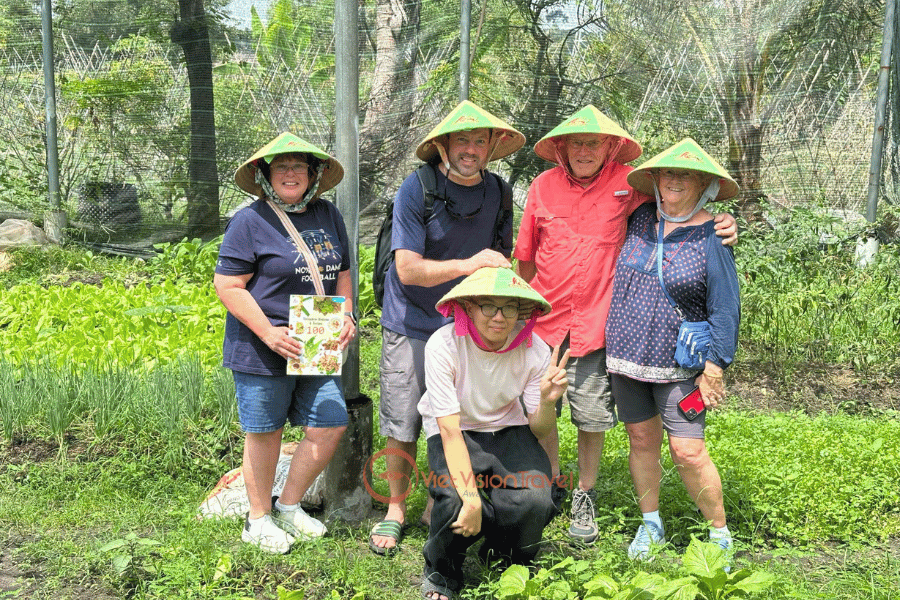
<point>298,168</point>
<point>591,143</point>
<point>508,310</point>
<point>450,205</point>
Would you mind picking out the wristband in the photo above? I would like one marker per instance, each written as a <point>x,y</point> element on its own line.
<point>705,374</point>
<point>352,318</point>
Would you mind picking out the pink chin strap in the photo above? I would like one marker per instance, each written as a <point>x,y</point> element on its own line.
<point>463,326</point>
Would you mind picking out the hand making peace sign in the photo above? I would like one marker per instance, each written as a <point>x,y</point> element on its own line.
<point>554,382</point>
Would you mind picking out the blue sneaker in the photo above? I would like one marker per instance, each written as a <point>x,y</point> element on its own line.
<point>726,544</point>
<point>648,535</point>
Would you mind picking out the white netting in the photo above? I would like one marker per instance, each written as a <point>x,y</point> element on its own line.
<point>782,92</point>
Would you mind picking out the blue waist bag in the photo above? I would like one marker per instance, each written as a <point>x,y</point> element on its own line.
<point>692,347</point>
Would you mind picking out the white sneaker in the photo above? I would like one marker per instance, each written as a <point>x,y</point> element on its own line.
<point>266,535</point>
<point>299,524</point>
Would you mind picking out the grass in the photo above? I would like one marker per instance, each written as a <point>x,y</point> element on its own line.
<point>103,463</point>
<point>63,506</point>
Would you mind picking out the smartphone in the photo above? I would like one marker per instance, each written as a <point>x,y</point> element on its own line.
<point>691,406</point>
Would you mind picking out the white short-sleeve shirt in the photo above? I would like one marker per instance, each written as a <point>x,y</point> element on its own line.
<point>487,389</point>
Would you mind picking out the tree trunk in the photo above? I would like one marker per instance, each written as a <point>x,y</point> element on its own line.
<point>389,110</point>
<point>192,34</point>
<point>745,133</point>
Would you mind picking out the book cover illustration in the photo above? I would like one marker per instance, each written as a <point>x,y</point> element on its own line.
<point>316,322</point>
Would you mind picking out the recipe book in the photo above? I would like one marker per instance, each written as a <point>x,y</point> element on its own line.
<point>316,322</point>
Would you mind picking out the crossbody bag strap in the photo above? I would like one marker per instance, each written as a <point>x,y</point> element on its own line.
<point>308,255</point>
<point>659,264</point>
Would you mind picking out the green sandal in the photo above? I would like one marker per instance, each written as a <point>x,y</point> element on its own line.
<point>387,528</point>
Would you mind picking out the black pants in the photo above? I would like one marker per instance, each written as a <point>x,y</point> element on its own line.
<point>513,474</point>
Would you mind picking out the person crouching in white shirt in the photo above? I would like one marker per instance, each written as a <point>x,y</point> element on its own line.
<point>492,388</point>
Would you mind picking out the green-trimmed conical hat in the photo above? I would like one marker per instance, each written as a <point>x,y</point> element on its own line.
<point>588,120</point>
<point>686,154</point>
<point>245,176</point>
<point>467,116</point>
<point>496,281</point>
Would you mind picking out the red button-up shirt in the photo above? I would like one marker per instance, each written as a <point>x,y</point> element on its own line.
<point>573,234</point>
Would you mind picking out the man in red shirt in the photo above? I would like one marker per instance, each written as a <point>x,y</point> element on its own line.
<point>570,236</point>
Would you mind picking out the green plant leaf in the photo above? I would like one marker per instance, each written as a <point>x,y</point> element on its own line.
<point>146,542</point>
<point>513,582</point>
<point>284,594</point>
<point>121,563</point>
<point>682,588</point>
<point>704,560</point>
<point>113,545</point>
<point>223,567</point>
<point>755,583</point>
<point>558,590</point>
<point>601,586</point>
<point>643,586</point>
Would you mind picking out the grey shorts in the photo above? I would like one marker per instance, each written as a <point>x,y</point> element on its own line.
<point>638,401</point>
<point>589,395</point>
<point>402,386</point>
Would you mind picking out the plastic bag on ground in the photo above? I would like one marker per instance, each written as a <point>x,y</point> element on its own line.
<point>229,496</point>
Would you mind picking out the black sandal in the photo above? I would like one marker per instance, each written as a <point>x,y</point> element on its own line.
<point>429,587</point>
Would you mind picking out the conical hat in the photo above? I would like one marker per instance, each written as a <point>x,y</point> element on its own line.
<point>686,154</point>
<point>465,117</point>
<point>245,176</point>
<point>589,120</point>
<point>496,281</point>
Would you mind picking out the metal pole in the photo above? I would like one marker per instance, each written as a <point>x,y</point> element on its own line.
<point>867,247</point>
<point>465,24</point>
<point>54,219</point>
<point>894,110</point>
<point>881,102</point>
<point>346,77</point>
<point>346,497</point>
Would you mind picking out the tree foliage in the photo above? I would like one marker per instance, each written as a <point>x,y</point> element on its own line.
<point>293,31</point>
<point>749,62</point>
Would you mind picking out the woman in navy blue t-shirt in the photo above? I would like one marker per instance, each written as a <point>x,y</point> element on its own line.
<point>259,268</point>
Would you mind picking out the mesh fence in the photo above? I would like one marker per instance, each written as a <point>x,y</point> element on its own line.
<point>782,92</point>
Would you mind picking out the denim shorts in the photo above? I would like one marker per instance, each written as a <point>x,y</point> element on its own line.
<point>266,402</point>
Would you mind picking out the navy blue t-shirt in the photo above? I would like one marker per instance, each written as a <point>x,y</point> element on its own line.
<point>256,242</point>
<point>409,309</point>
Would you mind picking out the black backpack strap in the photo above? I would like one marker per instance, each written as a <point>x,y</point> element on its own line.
<point>384,256</point>
<point>427,178</point>
<point>504,216</point>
